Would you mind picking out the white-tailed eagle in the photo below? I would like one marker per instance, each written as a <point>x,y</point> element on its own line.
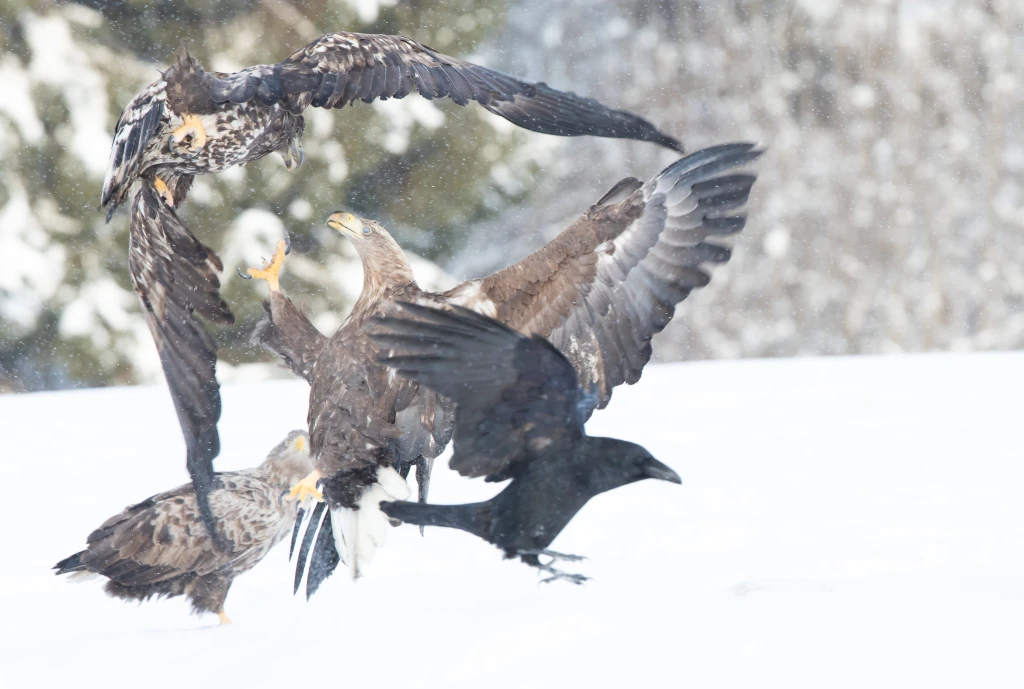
<point>599,292</point>
<point>193,122</point>
<point>160,547</point>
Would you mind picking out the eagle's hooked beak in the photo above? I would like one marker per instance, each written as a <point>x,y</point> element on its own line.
<point>346,223</point>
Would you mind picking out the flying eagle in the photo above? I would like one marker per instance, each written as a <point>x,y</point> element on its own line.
<point>599,292</point>
<point>160,547</point>
<point>517,416</point>
<point>193,122</point>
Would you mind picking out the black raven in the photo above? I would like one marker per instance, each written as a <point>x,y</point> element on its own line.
<point>519,415</point>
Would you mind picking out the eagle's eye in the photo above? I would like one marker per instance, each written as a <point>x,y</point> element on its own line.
<point>366,230</point>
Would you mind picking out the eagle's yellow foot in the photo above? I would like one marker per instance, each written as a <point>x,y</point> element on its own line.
<point>306,488</point>
<point>163,191</point>
<point>270,271</point>
<point>224,619</point>
<point>191,135</point>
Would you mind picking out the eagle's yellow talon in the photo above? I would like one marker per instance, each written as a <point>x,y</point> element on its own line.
<point>191,127</point>
<point>224,619</point>
<point>270,271</point>
<point>163,191</point>
<point>306,488</point>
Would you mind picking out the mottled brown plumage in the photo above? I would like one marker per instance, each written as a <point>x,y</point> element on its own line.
<point>160,547</point>
<point>175,276</point>
<point>191,122</point>
<point>599,291</point>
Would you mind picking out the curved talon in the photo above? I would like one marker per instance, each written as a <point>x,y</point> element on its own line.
<point>306,488</point>
<point>164,192</point>
<point>244,276</point>
<point>270,271</point>
<point>287,243</point>
<point>191,134</point>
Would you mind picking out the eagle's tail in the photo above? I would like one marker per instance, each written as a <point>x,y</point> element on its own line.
<point>74,566</point>
<point>359,532</point>
<point>71,564</point>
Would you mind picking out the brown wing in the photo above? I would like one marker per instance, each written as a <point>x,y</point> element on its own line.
<point>175,276</point>
<point>163,538</point>
<point>605,286</point>
<point>341,68</point>
<point>285,331</point>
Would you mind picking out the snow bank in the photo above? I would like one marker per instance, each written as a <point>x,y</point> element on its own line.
<point>842,523</point>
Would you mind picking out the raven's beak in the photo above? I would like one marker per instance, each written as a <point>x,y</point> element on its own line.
<point>346,223</point>
<point>655,469</point>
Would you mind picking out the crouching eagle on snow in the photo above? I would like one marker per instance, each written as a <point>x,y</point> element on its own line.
<point>193,122</point>
<point>160,547</point>
<point>599,292</point>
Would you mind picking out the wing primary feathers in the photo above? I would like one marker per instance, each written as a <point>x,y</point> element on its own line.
<point>372,66</point>
<point>175,276</point>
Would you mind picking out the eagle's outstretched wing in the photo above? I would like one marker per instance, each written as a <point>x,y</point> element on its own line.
<point>516,396</point>
<point>610,282</point>
<point>341,68</point>
<point>175,276</point>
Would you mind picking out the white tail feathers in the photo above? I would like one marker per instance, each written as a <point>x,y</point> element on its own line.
<point>359,532</point>
<point>81,576</point>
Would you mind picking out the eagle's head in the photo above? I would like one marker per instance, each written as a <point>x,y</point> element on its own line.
<point>289,461</point>
<point>383,260</point>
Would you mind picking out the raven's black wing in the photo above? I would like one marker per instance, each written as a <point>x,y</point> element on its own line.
<point>175,276</point>
<point>516,397</point>
<point>340,68</point>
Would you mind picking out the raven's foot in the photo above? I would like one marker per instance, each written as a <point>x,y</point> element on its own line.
<point>224,619</point>
<point>557,574</point>
<point>307,488</point>
<point>190,137</point>
<point>164,192</point>
<point>555,557</point>
<point>271,269</point>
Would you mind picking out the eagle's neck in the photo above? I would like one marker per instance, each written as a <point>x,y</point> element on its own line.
<point>384,274</point>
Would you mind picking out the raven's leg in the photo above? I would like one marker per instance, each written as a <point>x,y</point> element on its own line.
<point>530,557</point>
<point>555,557</point>
<point>557,574</point>
<point>191,135</point>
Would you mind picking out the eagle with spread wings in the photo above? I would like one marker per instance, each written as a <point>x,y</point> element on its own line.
<point>193,122</point>
<point>598,292</point>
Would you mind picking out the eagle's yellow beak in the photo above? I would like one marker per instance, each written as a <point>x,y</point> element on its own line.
<point>299,444</point>
<point>346,223</point>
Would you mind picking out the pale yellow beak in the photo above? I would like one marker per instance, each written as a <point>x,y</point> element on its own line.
<point>346,223</point>
<point>299,444</point>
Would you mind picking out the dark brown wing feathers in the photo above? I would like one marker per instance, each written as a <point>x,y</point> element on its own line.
<point>341,68</point>
<point>604,287</point>
<point>175,276</point>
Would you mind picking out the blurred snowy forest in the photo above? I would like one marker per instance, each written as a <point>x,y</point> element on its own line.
<point>887,216</point>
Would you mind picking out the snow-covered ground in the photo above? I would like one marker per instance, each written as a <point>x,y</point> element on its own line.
<point>842,523</point>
